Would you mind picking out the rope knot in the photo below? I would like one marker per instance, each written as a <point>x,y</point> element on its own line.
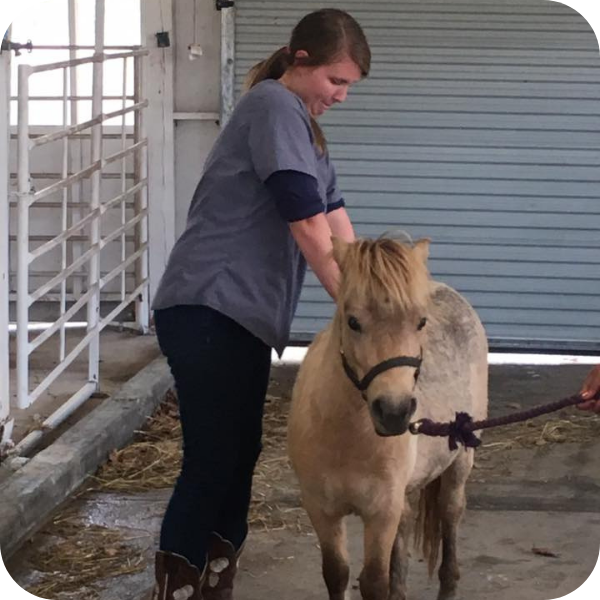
<point>461,429</point>
<point>460,432</point>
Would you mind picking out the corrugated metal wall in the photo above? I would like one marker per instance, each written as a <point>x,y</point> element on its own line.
<point>479,127</point>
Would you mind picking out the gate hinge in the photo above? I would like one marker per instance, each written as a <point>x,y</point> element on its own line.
<point>7,45</point>
<point>221,4</point>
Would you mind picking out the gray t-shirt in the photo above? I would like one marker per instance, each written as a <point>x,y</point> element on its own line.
<point>237,254</point>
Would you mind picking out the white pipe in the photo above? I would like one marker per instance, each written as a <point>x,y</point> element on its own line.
<point>94,167</point>
<point>123,176</point>
<point>55,419</point>
<point>118,155</point>
<point>64,222</point>
<point>64,236</point>
<point>196,116</point>
<point>117,232</point>
<point>50,328</point>
<point>91,336</point>
<point>44,325</point>
<point>46,287</point>
<point>24,193</point>
<point>71,98</point>
<point>59,185</point>
<point>130,259</point>
<point>61,367</point>
<point>4,242</point>
<point>117,199</point>
<point>83,47</point>
<point>76,248</point>
<point>104,207</point>
<point>115,311</point>
<point>93,312</point>
<point>63,133</point>
<point>142,306</point>
<point>99,57</point>
<point>67,233</point>
<point>227,63</point>
<point>57,135</point>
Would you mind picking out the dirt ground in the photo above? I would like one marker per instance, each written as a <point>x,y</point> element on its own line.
<point>532,531</point>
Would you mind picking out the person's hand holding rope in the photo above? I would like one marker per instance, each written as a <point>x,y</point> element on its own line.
<point>591,390</point>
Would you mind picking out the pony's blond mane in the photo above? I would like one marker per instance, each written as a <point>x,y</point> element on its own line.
<point>386,273</point>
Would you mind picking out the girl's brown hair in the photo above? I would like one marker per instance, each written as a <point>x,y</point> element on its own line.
<point>326,35</point>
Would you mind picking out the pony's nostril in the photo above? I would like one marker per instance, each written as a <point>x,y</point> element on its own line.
<point>379,407</point>
<point>413,405</point>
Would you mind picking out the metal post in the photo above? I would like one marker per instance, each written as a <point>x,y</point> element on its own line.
<point>123,206</point>
<point>24,194</point>
<point>157,15</point>
<point>76,248</point>
<point>4,244</point>
<point>227,63</point>
<point>142,309</point>
<point>64,218</point>
<point>93,312</point>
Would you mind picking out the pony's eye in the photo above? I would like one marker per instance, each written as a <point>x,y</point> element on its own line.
<point>354,324</point>
<point>422,323</point>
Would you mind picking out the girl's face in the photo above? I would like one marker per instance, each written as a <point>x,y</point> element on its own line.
<point>321,87</point>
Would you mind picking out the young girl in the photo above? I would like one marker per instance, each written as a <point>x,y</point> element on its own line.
<point>267,204</point>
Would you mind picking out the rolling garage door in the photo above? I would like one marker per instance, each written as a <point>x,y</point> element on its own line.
<point>479,128</point>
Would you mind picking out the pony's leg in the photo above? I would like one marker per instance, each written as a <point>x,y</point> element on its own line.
<point>452,506</point>
<point>331,532</point>
<point>399,562</point>
<point>380,533</point>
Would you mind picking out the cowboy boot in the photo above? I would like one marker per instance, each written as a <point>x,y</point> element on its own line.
<point>177,578</point>
<point>221,567</point>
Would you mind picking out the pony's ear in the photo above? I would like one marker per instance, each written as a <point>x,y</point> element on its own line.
<point>340,247</point>
<point>422,249</point>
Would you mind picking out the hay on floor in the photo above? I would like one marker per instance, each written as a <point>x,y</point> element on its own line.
<point>77,555</point>
<point>153,460</point>
<point>567,426</point>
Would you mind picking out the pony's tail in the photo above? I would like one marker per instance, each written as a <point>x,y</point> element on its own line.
<point>428,528</point>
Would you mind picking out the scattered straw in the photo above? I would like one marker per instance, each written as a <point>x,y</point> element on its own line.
<point>153,461</point>
<point>141,466</point>
<point>77,555</point>
<point>275,497</point>
<point>569,425</point>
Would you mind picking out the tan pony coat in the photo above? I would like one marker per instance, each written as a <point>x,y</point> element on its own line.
<point>351,451</point>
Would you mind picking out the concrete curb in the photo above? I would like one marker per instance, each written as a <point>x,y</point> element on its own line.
<point>30,495</point>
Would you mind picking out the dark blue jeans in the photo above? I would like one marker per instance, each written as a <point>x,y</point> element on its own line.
<point>221,374</point>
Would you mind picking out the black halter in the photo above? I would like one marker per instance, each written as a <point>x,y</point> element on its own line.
<point>390,363</point>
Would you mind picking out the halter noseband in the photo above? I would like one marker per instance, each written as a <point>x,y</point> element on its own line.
<point>390,363</point>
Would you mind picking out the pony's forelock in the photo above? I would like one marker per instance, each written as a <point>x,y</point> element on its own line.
<point>385,273</point>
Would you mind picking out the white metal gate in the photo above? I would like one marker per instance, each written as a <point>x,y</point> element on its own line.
<point>88,229</point>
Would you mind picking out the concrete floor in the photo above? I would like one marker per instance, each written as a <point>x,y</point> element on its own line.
<point>541,497</point>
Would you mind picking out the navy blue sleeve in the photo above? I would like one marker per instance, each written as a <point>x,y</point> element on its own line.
<point>335,205</point>
<point>296,195</point>
<point>334,196</point>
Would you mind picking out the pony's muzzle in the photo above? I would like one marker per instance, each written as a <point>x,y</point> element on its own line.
<point>392,416</point>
